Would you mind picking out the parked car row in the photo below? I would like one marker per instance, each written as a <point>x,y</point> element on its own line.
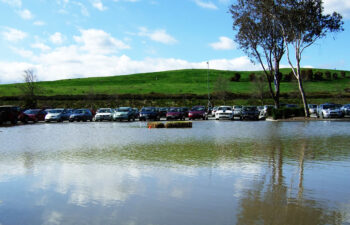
<point>13,114</point>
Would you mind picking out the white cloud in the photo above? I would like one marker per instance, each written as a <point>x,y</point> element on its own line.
<point>57,38</point>
<point>25,14</point>
<point>340,6</point>
<point>13,3</point>
<point>99,42</point>
<point>206,5</point>
<point>39,23</point>
<point>224,43</point>
<point>13,35</point>
<point>40,46</point>
<point>157,35</point>
<point>98,5</point>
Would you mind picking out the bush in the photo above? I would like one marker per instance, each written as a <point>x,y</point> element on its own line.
<point>236,78</point>
<point>328,75</point>
<point>318,76</point>
<point>343,74</point>
<point>179,124</point>
<point>288,77</point>
<point>285,113</point>
<point>335,76</point>
<point>252,77</point>
<point>309,75</point>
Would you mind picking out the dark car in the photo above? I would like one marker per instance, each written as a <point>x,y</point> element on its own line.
<point>163,111</point>
<point>9,113</point>
<point>149,113</point>
<point>250,113</point>
<point>198,112</point>
<point>186,110</point>
<point>33,115</point>
<point>136,112</point>
<point>81,115</point>
<point>66,114</point>
<point>176,113</point>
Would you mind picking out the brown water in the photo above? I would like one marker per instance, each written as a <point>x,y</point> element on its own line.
<point>215,173</point>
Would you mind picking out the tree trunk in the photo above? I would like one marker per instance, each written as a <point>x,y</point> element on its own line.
<point>303,96</point>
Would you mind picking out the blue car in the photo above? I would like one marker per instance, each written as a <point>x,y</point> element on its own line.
<point>81,115</point>
<point>149,113</point>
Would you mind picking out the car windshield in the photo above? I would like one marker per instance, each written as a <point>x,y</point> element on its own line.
<point>148,109</point>
<point>174,110</point>
<point>329,107</point>
<point>312,106</point>
<point>163,109</point>
<point>79,111</point>
<point>252,108</point>
<point>224,108</point>
<point>198,109</point>
<point>31,111</point>
<point>56,111</point>
<point>104,111</point>
<point>123,109</point>
<point>238,107</point>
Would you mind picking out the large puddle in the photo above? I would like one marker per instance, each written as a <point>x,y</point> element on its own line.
<point>215,173</point>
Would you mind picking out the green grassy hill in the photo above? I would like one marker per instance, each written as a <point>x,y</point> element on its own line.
<point>191,81</point>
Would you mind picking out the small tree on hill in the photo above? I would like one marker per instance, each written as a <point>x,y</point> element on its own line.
<point>221,88</point>
<point>30,89</point>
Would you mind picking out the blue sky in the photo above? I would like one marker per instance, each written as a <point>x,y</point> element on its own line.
<point>61,39</point>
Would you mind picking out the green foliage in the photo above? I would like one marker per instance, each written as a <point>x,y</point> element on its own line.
<point>285,113</point>
<point>178,124</point>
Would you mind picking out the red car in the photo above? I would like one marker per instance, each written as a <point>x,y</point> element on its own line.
<point>175,113</point>
<point>33,115</point>
<point>198,112</point>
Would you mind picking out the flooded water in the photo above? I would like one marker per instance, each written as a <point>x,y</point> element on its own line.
<point>215,173</point>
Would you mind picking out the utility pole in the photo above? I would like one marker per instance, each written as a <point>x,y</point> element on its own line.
<point>209,104</point>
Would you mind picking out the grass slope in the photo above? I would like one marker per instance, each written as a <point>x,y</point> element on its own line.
<point>192,81</point>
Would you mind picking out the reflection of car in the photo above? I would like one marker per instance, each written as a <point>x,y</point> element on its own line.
<point>312,109</point>
<point>9,113</point>
<point>175,113</point>
<point>149,113</point>
<point>198,112</point>
<point>224,112</point>
<point>33,115</point>
<point>104,114</point>
<point>162,111</point>
<point>237,111</point>
<point>55,115</point>
<point>250,113</point>
<point>81,115</point>
<point>330,110</point>
<point>123,113</point>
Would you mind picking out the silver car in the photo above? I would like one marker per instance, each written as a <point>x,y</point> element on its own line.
<point>54,115</point>
<point>313,109</point>
<point>104,114</point>
<point>346,110</point>
<point>330,110</point>
<point>123,113</point>
<point>237,111</point>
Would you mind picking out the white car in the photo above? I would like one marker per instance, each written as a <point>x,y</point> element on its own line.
<point>214,111</point>
<point>224,112</point>
<point>104,114</point>
<point>313,109</point>
<point>330,110</point>
<point>54,115</point>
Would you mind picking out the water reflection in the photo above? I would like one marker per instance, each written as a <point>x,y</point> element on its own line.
<point>265,174</point>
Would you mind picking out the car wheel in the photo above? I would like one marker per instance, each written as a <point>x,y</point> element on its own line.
<point>14,122</point>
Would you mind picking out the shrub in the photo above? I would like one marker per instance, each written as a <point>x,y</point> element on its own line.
<point>303,75</point>
<point>179,124</point>
<point>328,75</point>
<point>318,76</point>
<point>309,75</point>
<point>288,77</point>
<point>252,77</point>
<point>343,74</point>
<point>236,77</point>
<point>335,76</point>
<point>285,113</point>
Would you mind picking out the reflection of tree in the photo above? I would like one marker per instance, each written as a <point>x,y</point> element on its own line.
<point>268,201</point>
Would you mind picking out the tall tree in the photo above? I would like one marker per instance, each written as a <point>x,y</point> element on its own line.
<point>259,36</point>
<point>302,23</point>
<point>30,89</point>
